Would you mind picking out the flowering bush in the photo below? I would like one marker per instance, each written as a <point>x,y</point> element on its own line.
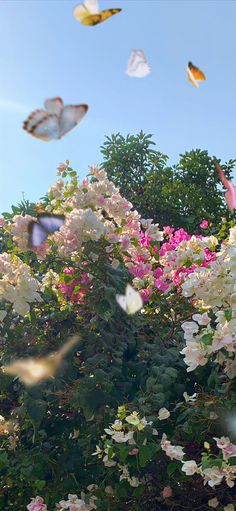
<point>65,436</point>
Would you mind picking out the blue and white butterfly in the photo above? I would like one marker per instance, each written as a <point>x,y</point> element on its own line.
<point>46,224</point>
<point>55,121</point>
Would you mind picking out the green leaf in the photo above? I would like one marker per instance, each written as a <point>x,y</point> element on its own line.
<point>4,462</point>
<point>36,409</point>
<point>146,452</point>
<point>172,468</point>
<point>138,491</point>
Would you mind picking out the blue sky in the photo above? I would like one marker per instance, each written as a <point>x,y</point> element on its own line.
<point>45,52</point>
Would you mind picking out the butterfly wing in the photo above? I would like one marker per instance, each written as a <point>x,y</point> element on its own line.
<point>138,65</point>
<point>230,195</point>
<point>87,15</point>
<point>91,6</point>
<point>192,79</point>
<point>70,117</point>
<point>30,371</point>
<point>42,125</point>
<point>134,300</point>
<point>195,74</point>
<point>122,301</point>
<point>50,223</point>
<point>54,106</point>
<point>37,234</point>
<point>107,13</point>
<point>131,302</point>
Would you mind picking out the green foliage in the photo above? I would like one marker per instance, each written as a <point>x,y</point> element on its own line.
<point>179,196</point>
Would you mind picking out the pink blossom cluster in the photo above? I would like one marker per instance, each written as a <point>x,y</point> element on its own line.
<point>37,504</point>
<point>83,283</point>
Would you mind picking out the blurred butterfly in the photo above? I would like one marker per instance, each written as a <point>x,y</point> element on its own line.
<point>34,370</point>
<point>88,13</point>
<point>195,74</point>
<point>230,195</point>
<point>46,224</point>
<point>138,65</point>
<point>131,302</point>
<point>55,121</point>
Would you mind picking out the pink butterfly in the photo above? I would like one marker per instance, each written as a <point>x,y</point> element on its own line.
<point>230,195</point>
<point>55,121</point>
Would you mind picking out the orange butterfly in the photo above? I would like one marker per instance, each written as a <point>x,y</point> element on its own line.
<point>195,74</point>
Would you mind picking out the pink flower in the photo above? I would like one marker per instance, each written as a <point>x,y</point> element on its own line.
<point>168,230</point>
<point>134,451</point>
<point>204,224</point>
<point>85,182</point>
<point>167,492</point>
<point>228,449</point>
<point>145,294</point>
<point>161,285</point>
<point>37,504</point>
<point>1,222</point>
<point>145,239</point>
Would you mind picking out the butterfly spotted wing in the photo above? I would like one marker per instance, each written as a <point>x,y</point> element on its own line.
<point>88,13</point>
<point>195,74</point>
<point>42,125</point>
<point>70,117</point>
<point>138,65</point>
<point>46,224</point>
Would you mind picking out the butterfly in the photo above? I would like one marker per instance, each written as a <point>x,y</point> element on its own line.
<point>55,121</point>
<point>34,370</point>
<point>230,195</point>
<point>195,74</point>
<point>88,13</point>
<point>131,302</point>
<point>46,224</point>
<point>138,65</point>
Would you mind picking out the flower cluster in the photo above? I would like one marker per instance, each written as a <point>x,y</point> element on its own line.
<point>129,430</point>
<point>213,289</point>
<point>215,469</point>
<point>174,452</point>
<point>74,288</point>
<point>17,286</point>
<point>37,504</point>
<point>74,503</point>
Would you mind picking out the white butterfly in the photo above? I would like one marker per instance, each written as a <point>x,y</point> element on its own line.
<point>138,65</point>
<point>131,302</point>
<point>55,121</point>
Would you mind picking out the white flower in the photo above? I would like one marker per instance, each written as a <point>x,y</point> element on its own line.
<point>190,399</point>
<point>172,451</point>
<point>134,481</point>
<point>201,319</point>
<point>163,414</point>
<point>107,462</point>
<point>189,328</point>
<point>213,476</point>
<point>213,502</point>
<point>229,507</point>
<point>189,467</point>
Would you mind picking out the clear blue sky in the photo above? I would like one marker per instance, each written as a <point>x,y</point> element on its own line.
<point>45,52</point>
